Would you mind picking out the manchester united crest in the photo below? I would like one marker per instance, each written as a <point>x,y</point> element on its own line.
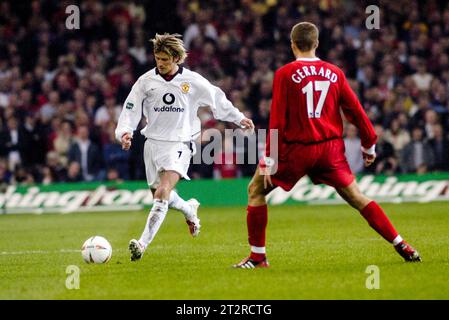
<point>185,87</point>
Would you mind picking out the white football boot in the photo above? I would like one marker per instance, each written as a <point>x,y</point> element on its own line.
<point>136,249</point>
<point>192,221</point>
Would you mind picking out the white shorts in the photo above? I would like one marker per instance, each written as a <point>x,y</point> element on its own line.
<point>162,156</point>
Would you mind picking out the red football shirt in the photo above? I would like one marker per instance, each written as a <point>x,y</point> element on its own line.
<point>307,97</point>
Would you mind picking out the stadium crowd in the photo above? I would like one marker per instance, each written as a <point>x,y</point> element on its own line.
<point>61,90</point>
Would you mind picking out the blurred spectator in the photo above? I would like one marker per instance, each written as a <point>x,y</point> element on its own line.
<point>419,112</point>
<point>109,111</point>
<point>397,136</point>
<point>139,49</point>
<point>33,144</point>
<point>12,143</point>
<point>440,147</point>
<point>5,174</point>
<point>386,161</point>
<point>22,176</point>
<point>417,156</point>
<point>430,120</point>
<point>353,149</point>
<point>113,175</point>
<point>63,141</point>
<point>422,78</point>
<point>47,176</point>
<point>58,170</point>
<point>115,157</point>
<point>87,155</point>
<point>74,173</point>
<point>202,27</point>
<point>48,110</point>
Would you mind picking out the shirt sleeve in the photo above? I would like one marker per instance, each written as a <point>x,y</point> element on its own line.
<point>131,112</point>
<point>356,115</point>
<point>278,114</point>
<point>221,107</point>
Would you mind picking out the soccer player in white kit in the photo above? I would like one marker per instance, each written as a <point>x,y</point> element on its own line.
<point>169,97</point>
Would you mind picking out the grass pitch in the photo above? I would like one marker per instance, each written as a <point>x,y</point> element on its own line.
<point>316,252</point>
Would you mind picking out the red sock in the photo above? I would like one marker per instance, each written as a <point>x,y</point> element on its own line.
<point>377,219</point>
<point>256,220</point>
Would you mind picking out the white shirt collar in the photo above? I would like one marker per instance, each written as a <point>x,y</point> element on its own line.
<point>308,59</point>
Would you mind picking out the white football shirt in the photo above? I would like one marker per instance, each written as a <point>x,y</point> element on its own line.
<point>170,107</point>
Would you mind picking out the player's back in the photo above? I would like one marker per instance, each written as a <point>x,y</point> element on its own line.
<point>310,91</point>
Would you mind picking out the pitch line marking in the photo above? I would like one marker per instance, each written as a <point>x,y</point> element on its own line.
<point>11,253</point>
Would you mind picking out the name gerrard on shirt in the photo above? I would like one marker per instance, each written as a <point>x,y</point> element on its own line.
<point>311,71</point>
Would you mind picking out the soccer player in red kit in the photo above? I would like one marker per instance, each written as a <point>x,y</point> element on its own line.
<point>308,95</point>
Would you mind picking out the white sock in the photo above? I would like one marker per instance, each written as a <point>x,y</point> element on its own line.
<point>178,203</point>
<point>260,250</point>
<point>397,240</point>
<point>154,221</point>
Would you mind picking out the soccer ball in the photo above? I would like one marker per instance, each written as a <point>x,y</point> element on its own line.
<point>96,249</point>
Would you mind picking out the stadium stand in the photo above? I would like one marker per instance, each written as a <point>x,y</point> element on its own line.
<point>59,87</point>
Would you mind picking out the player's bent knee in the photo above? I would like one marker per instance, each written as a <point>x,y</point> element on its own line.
<point>162,192</point>
<point>256,201</point>
<point>363,201</point>
<point>359,201</point>
<point>256,195</point>
<point>352,195</point>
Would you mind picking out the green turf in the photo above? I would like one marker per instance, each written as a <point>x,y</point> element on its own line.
<point>316,252</point>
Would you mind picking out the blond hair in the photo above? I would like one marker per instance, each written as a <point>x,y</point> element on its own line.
<point>305,36</point>
<point>170,44</point>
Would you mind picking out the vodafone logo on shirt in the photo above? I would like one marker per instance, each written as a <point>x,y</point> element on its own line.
<point>168,109</point>
<point>168,99</point>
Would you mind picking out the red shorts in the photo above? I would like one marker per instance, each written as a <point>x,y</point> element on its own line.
<point>323,162</point>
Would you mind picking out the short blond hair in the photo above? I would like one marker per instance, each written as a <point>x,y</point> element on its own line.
<point>305,36</point>
<point>170,44</point>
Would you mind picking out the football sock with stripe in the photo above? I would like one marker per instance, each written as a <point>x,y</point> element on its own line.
<point>377,219</point>
<point>257,219</point>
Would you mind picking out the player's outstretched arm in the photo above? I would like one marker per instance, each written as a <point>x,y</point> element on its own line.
<point>355,114</point>
<point>130,116</point>
<point>221,107</point>
<point>278,114</point>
